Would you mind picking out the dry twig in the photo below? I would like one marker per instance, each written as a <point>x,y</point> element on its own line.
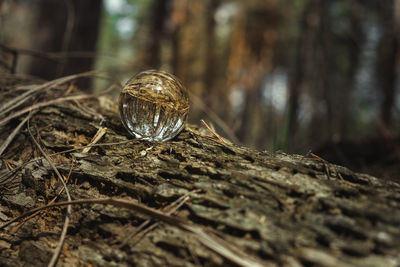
<point>60,244</point>
<point>43,104</point>
<point>197,101</point>
<point>169,210</point>
<point>325,162</point>
<point>15,132</point>
<point>213,132</point>
<point>18,100</point>
<point>99,134</point>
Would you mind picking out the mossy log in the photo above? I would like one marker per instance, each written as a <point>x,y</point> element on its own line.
<point>278,209</point>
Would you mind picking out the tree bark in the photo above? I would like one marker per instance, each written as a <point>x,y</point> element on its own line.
<point>279,209</point>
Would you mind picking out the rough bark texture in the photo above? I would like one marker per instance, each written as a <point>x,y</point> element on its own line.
<point>284,210</point>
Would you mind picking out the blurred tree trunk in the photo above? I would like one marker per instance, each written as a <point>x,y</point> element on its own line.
<point>178,14</point>
<point>190,33</point>
<point>339,71</point>
<point>209,94</point>
<point>324,81</point>
<point>151,52</point>
<point>306,71</point>
<point>342,97</point>
<point>321,120</point>
<point>251,59</point>
<point>64,27</point>
<point>387,62</point>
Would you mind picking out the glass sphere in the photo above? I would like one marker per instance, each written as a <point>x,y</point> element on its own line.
<point>154,105</point>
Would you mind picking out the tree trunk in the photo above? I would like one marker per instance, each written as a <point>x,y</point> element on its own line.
<point>65,27</point>
<point>156,18</point>
<point>251,59</point>
<point>387,64</point>
<point>210,93</point>
<point>305,68</point>
<point>274,208</point>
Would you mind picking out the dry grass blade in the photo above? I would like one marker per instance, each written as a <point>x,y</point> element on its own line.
<point>213,243</point>
<point>17,101</point>
<point>325,162</point>
<point>43,104</point>
<point>99,134</point>
<point>213,132</point>
<point>87,110</point>
<point>170,209</point>
<point>217,245</point>
<point>14,133</point>
<point>213,116</point>
<point>4,179</point>
<point>57,252</point>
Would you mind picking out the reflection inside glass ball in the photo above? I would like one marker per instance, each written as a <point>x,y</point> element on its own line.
<point>154,105</point>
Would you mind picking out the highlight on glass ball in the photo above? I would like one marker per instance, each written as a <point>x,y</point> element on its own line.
<point>154,106</point>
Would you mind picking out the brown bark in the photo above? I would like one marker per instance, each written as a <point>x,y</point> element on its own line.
<point>279,209</point>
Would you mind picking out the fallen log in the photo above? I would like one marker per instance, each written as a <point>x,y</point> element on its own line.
<point>241,206</point>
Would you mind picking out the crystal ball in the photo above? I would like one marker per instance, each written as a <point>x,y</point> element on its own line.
<point>154,105</point>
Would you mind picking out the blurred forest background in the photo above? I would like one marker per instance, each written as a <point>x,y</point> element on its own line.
<point>291,75</point>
